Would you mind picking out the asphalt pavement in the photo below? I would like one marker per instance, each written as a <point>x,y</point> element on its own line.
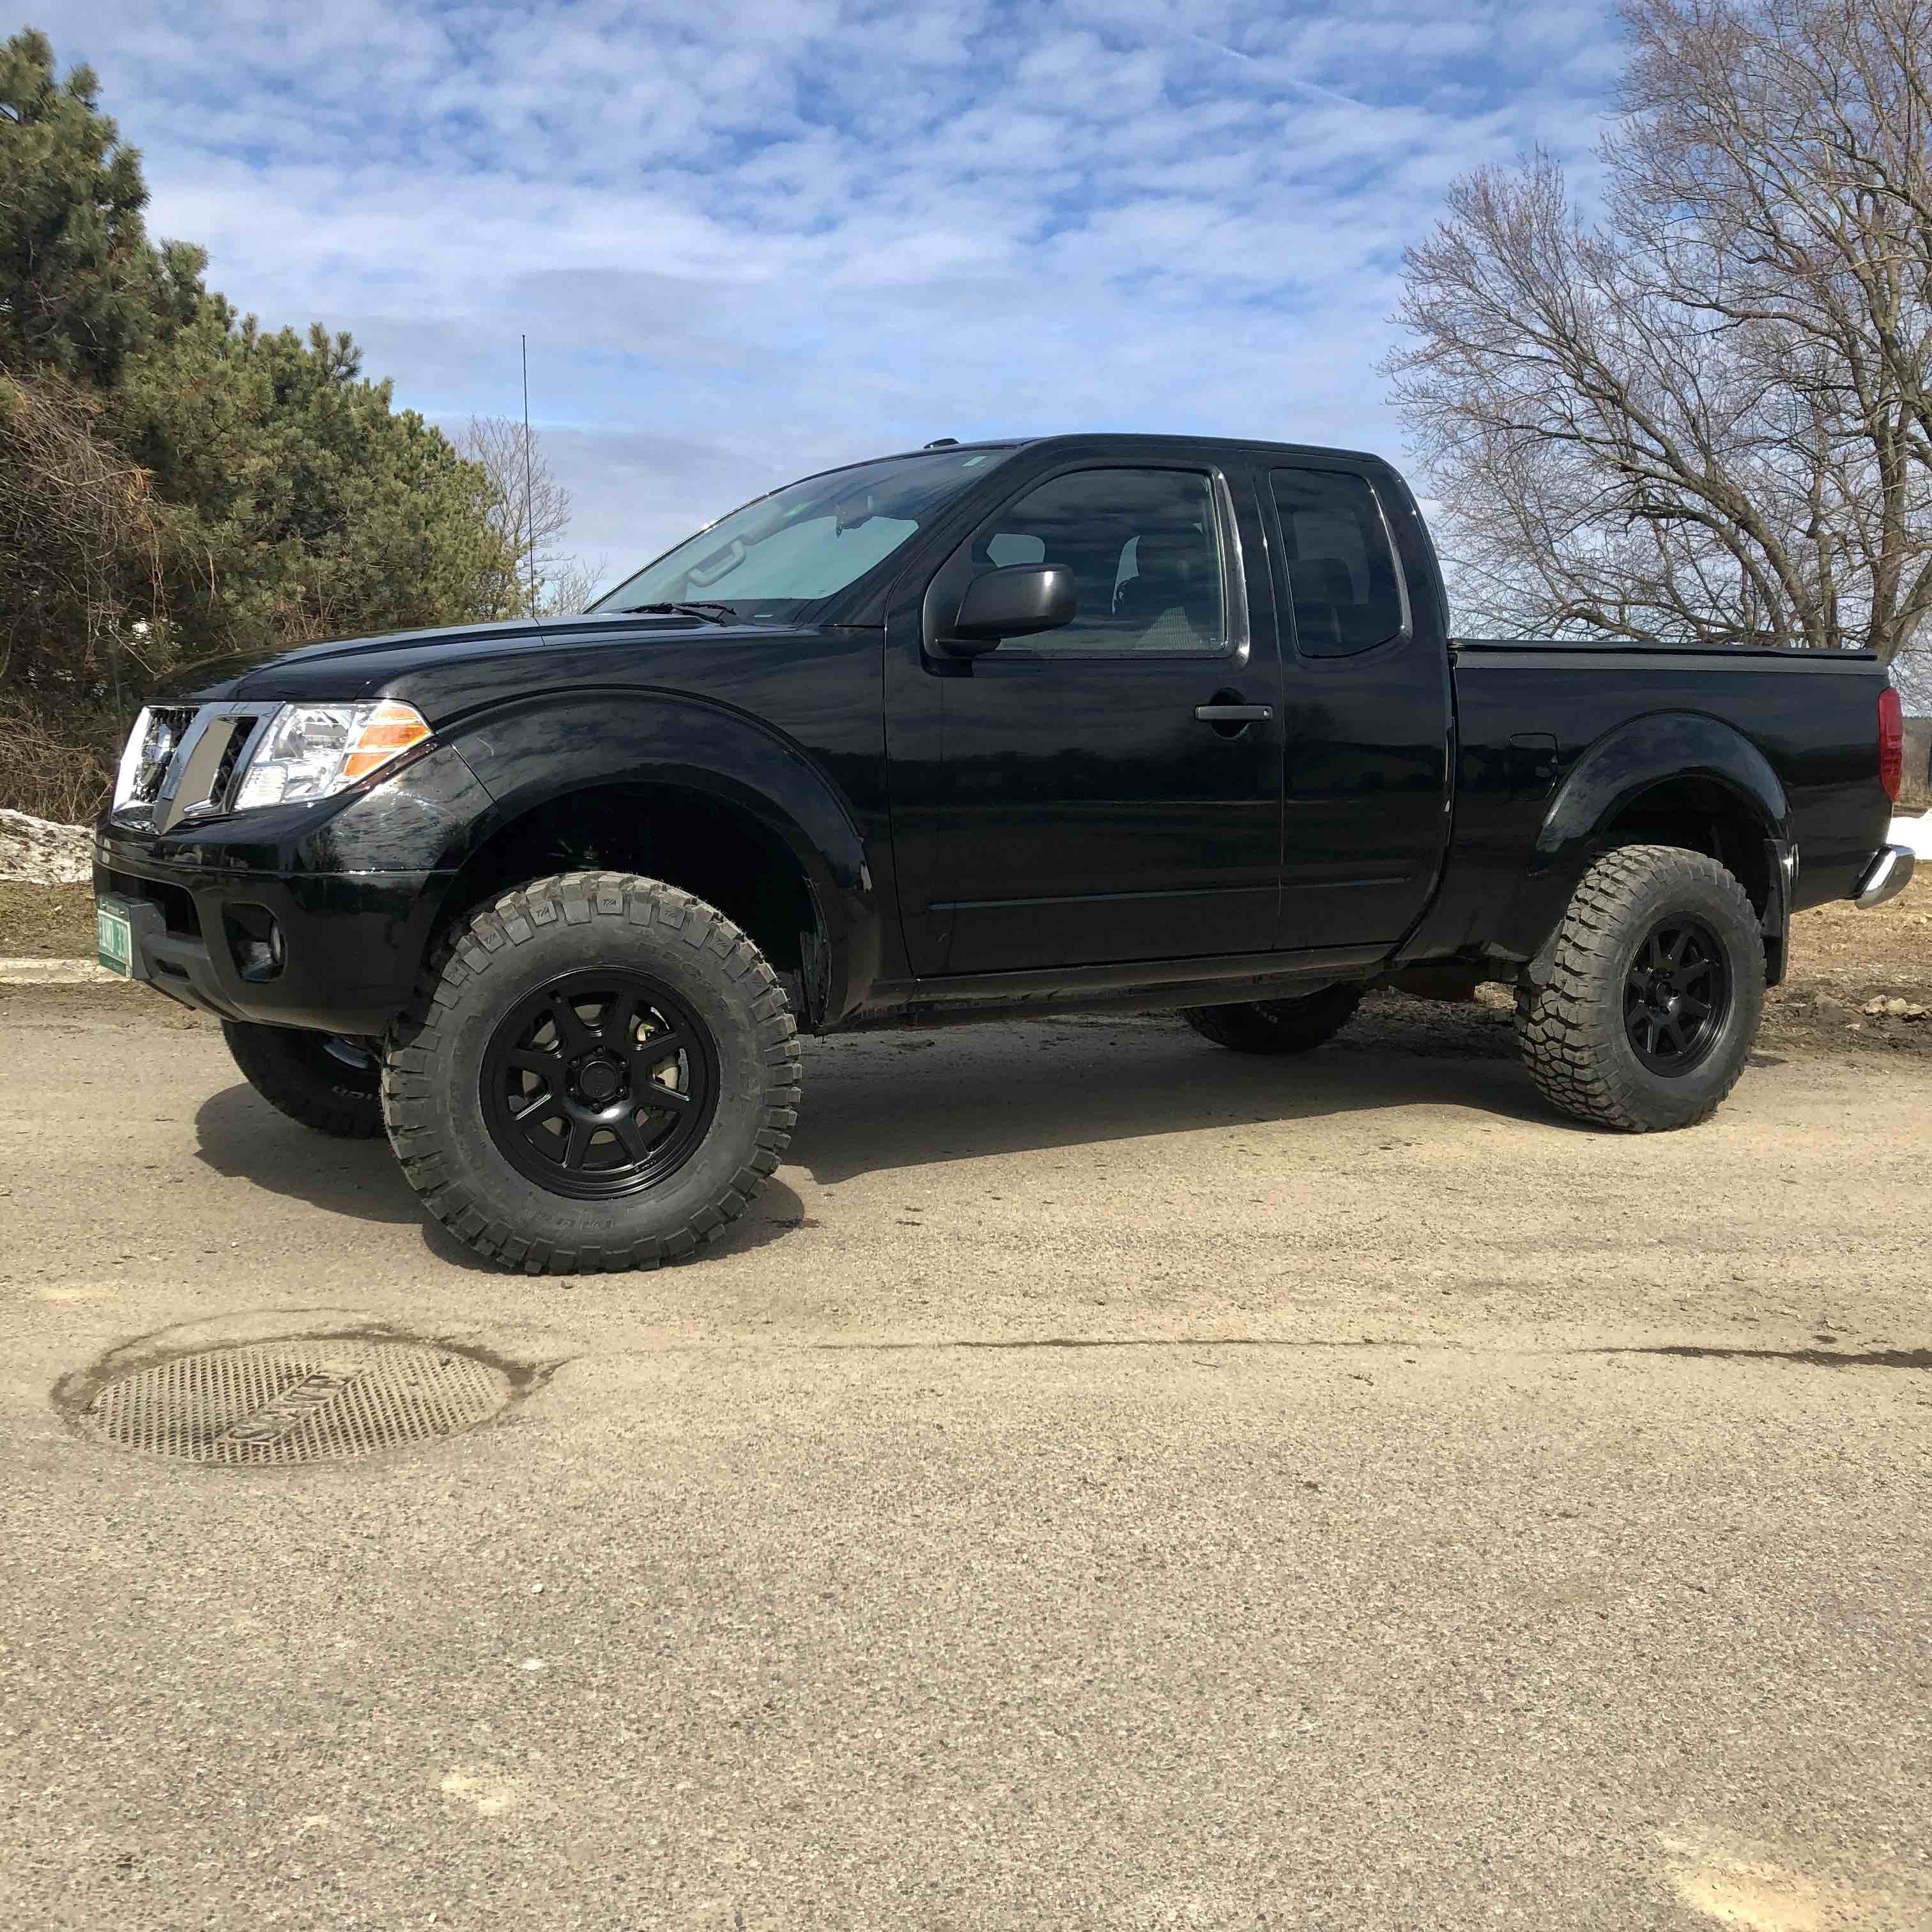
<point>1108,1482</point>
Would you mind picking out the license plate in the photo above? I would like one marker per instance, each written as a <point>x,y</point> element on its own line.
<point>114,942</point>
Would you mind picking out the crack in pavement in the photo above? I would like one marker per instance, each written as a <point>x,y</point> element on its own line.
<point>1823,1358</point>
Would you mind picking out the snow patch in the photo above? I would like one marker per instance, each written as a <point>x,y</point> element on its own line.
<point>37,852</point>
<point>1914,832</point>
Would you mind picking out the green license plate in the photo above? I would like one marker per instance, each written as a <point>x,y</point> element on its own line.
<point>114,942</point>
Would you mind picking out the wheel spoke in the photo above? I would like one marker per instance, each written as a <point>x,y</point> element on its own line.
<point>578,1146</point>
<point>545,1062</point>
<point>573,1036</point>
<point>656,1098</point>
<point>534,1112</point>
<point>1674,958</point>
<point>645,1054</point>
<point>1695,1008</point>
<point>651,1054</point>
<point>626,1127</point>
<point>617,1023</point>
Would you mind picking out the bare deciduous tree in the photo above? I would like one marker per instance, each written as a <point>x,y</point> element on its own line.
<point>1706,416</point>
<point>529,511</point>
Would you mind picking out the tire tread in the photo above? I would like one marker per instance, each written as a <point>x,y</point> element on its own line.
<point>515,919</point>
<point>1561,1027</point>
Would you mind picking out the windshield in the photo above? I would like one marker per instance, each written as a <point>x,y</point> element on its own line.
<point>806,540</point>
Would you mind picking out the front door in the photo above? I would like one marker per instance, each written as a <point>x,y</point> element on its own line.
<point>1083,796</point>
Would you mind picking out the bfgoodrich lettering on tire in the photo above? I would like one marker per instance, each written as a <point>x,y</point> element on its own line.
<point>1655,995</point>
<point>597,1071</point>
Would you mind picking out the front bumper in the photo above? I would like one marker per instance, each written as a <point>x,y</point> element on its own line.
<point>317,915</point>
<point>338,954</point>
<point>1886,876</point>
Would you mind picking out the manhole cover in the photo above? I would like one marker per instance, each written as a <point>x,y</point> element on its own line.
<point>320,1401</point>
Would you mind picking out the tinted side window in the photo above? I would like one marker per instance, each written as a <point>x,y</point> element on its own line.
<point>1340,568</point>
<point>1145,552</point>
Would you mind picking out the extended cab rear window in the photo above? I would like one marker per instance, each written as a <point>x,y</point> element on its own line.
<point>1341,568</point>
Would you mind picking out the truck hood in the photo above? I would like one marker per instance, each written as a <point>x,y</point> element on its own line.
<point>348,668</point>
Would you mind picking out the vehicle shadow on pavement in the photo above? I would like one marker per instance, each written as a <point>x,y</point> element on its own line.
<point>887,1102</point>
<point>242,1137</point>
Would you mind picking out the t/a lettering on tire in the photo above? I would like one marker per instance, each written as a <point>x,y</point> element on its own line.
<point>596,1071</point>
<point>1654,1000</point>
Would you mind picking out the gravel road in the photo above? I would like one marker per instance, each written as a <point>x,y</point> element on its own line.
<point>1108,1482</point>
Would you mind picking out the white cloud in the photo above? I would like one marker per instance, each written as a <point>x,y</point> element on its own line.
<point>751,239</point>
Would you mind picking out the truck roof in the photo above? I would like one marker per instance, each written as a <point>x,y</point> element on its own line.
<point>1102,439</point>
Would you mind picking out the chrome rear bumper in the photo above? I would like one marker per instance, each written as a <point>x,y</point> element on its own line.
<point>1886,876</point>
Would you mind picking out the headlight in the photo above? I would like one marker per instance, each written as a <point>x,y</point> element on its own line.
<point>309,751</point>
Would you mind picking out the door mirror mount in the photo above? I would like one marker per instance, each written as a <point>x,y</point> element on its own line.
<point>1019,601</point>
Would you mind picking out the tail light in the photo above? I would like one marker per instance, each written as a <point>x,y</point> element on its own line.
<point>1891,742</point>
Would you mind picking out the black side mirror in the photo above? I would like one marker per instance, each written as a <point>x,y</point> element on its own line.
<point>1019,601</point>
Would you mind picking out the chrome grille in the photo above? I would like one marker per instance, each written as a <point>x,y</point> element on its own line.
<point>167,726</point>
<point>222,793</point>
<point>185,760</point>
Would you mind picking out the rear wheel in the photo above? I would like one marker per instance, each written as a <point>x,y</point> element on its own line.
<point>599,1072</point>
<point>328,1081</point>
<point>1276,1026</point>
<point>1654,997</point>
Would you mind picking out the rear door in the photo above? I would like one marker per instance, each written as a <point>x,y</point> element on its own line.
<point>1365,818</point>
<point>1060,801</point>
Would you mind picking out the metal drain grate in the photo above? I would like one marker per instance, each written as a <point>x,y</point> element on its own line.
<point>320,1401</point>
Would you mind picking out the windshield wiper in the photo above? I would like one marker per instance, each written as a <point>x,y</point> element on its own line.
<point>718,613</point>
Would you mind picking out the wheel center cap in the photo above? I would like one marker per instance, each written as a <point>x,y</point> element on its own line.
<point>599,1080</point>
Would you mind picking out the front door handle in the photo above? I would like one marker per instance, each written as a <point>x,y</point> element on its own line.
<point>1234,714</point>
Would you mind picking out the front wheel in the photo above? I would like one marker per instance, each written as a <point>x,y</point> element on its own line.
<point>1654,997</point>
<point>598,1071</point>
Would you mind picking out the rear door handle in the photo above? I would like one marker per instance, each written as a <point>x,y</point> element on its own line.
<point>1234,714</point>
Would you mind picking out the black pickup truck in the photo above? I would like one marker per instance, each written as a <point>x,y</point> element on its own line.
<point>975,730</point>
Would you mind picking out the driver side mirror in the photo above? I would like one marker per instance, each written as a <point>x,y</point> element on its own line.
<point>1019,601</point>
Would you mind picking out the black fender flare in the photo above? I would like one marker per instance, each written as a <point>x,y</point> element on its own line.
<point>1641,755</point>
<point>528,753</point>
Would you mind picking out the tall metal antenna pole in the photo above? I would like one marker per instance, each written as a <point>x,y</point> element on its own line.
<point>530,493</point>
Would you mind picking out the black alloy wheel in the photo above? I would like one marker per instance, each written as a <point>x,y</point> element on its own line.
<point>1655,988</point>
<point>596,1071</point>
<point>1677,996</point>
<point>602,1083</point>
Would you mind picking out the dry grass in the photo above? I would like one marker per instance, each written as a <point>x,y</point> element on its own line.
<point>60,767</point>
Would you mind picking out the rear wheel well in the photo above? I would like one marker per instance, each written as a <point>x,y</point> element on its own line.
<point>1699,815</point>
<point>714,850</point>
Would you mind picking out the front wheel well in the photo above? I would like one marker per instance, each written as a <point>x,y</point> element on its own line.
<point>705,846</point>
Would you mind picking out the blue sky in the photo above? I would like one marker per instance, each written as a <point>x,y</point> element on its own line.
<point>749,239</point>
